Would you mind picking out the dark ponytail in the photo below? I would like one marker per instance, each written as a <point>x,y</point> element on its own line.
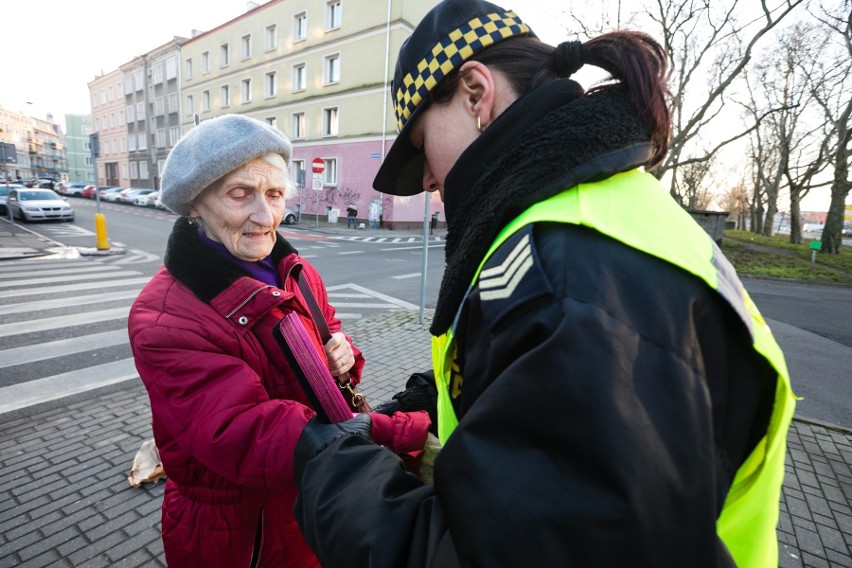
<point>634,59</point>
<point>639,63</point>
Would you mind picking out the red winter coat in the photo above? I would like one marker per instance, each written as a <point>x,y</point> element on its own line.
<point>227,410</point>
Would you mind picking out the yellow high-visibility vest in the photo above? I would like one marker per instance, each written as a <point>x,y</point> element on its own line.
<point>627,207</point>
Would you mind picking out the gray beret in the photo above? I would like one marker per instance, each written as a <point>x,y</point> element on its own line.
<point>212,149</point>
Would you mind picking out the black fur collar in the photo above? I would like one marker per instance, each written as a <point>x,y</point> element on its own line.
<point>203,270</point>
<point>547,141</point>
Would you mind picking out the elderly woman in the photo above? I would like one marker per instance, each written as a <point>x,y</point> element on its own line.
<point>226,401</point>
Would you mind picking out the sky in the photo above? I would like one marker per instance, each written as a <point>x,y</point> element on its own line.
<point>59,46</point>
<point>54,48</point>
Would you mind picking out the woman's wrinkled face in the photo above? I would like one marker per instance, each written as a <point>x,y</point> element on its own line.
<point>242,209</point>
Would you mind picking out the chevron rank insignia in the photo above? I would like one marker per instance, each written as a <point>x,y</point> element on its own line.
<point>511,277</point>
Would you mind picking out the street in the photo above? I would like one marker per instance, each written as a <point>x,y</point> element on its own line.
<point>63,320</point>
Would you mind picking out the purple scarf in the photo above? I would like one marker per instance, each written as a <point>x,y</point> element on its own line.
<point>263,270</point>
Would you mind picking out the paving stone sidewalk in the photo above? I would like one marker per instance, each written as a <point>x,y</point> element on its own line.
<point>65,499</point>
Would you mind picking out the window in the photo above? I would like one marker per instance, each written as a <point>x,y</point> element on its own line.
<point>270,37</point>
<point>187,68</point>
<point>143,142</point>
<point>225,96</point>
<point>140,80</point>
<point>161,165</point>
<point>329,121</point>
<point>245,90</point>
<point>270,84</point>
<point>111,119</point>
<point>131,143</point>
<point>245,46</point>
<point>205,62</point>
<point>174,135</point>
<point>190,104</point>
<point>159,106</point>
<point>272,121</point>
<point>297,124</point>
<point>297,172</point>
<point>299,77</point>
<point>224,55</point>
<point>131,116</point>
<point>157,73</point>
<point>128,85</point>
<point>134,170</point>
<point>161,138</point>
<point>140,111</point>
<point>205,101</point>
<point>331,74</point>
<point>332,14</point>
<point>171,68</point>
<point>173,103</point>
<point>300,26</point>
<point>143,170</point>
<point>330,173</point>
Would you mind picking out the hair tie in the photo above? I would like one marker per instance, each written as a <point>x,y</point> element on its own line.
<point>569,58</point>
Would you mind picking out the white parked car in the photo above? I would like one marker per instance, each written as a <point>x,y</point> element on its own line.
<point>129,194</point>
<point>38,205</point>
<point>146,199</point>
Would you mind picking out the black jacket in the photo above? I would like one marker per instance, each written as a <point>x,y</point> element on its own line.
<point>605,407</point>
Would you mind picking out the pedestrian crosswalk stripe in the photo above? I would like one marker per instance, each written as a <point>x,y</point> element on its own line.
<point>63,278</point>
<point>45,290</point>
<point>57,322</point>
<point>50,388</point>
<point>28,307</point>
<point>60,348</point>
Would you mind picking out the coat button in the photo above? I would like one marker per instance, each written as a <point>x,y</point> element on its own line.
<point>243,320</point>
<point>276,293</point>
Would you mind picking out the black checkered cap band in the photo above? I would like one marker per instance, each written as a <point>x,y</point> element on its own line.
<point>449,54</point>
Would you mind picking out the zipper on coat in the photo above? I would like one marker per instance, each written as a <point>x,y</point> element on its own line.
<point>258,541</point>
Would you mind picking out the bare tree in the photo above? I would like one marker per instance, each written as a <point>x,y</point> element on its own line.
<point>790,146</point>
<point>735,201</point>
<point>832,89</point>
<point>696,36</point>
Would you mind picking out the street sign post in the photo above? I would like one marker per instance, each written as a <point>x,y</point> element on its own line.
<point>318,167</point>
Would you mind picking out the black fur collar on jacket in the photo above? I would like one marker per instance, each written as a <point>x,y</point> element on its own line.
<point>549,140</point>
<point>203,270</point>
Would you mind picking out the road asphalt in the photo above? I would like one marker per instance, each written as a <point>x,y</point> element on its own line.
<point>65,499</point>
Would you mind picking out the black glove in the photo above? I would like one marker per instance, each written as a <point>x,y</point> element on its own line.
<point>420,394</point>
<point>317,436</point>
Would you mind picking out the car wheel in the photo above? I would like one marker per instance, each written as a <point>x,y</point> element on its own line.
<point>289,219</point>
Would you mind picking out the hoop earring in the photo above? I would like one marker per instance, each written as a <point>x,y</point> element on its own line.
<point>478,124</point>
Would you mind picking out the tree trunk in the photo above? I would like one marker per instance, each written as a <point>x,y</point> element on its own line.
<point>832,233</point>
<point>795,218</point>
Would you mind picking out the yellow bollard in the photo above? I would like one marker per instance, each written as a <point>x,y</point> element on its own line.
<point>101,231</point>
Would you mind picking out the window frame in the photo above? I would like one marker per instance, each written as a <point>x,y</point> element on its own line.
<point>300,71</point>
<point>330,63</point>
<point>330,118</point>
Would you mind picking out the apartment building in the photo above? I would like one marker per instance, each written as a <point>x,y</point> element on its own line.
<point>320,71</point>
<point>108,120</point>
<point>152,117</point>
<point>46,148</point>
<point>78,151</point>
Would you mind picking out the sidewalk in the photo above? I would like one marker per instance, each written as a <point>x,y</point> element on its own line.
<point>65,499</point>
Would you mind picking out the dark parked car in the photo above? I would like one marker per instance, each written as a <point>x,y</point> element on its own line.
<point>5,188</point>
<point>38,205</point>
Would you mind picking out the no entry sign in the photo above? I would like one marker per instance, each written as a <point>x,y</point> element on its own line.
<point>318,166</point>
